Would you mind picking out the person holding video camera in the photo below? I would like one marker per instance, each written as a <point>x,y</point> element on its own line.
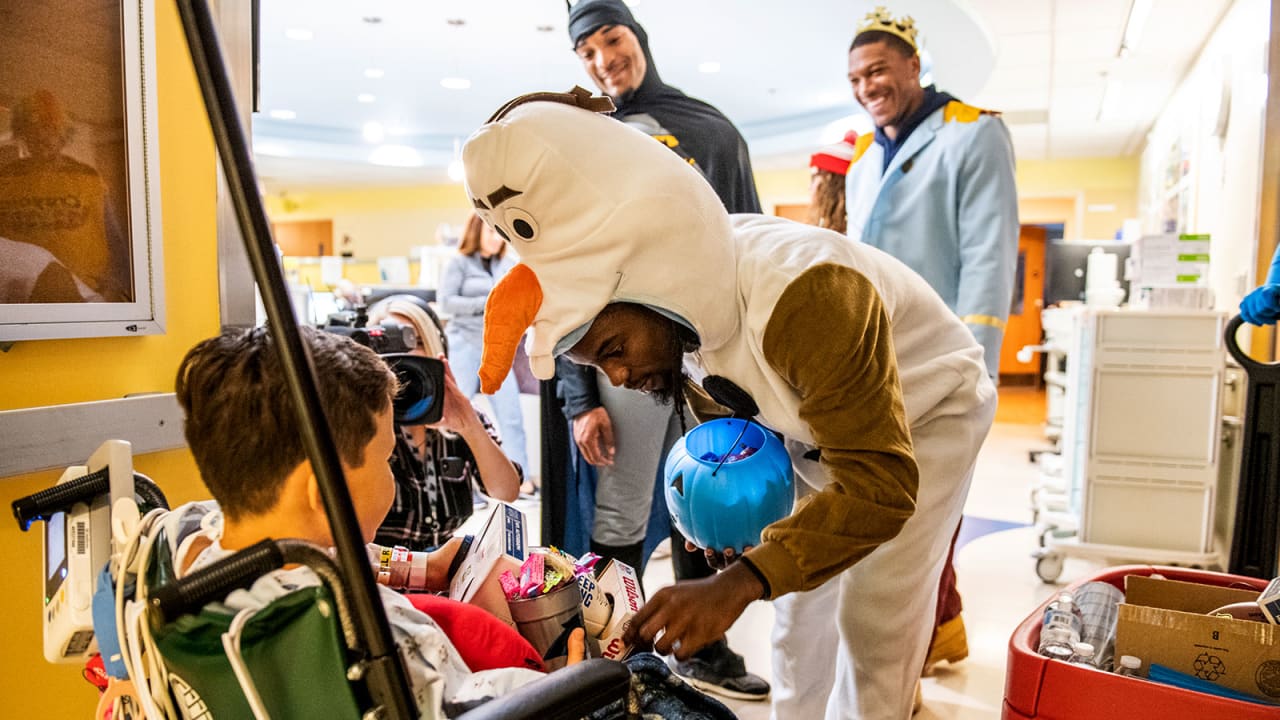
<point>435,465</point>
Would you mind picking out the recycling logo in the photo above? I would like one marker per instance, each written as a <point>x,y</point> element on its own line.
<point>1209,667</point>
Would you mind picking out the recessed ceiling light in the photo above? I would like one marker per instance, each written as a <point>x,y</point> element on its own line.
<point>455,83</point>
<point>709,66</point>
<point>374,72</point>
<point>366,97</point>
<point>373,132</point>
<point>298,34</point>
<point>283,114</point>
<point>396,156</point>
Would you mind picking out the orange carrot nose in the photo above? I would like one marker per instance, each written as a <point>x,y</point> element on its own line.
<point>508,312</point>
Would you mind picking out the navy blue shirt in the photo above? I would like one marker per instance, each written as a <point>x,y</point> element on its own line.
<point>932,101</point>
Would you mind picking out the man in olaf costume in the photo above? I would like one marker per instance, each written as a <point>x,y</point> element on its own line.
<point>630,263</point>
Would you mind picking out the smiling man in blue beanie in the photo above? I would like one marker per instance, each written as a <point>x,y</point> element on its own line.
<point>623,433</point>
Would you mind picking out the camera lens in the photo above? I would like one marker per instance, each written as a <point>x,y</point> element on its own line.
<point>421,398</point>
<point>416,394</point>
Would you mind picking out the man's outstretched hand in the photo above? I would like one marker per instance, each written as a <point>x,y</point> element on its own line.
<point>683,618</point>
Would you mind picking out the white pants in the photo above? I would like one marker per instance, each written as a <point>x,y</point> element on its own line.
<point>854,647</point>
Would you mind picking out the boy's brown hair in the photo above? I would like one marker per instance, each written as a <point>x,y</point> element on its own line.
<point>241,424</point>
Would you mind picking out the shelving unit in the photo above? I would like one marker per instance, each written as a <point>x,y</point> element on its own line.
<point>1138,473</point>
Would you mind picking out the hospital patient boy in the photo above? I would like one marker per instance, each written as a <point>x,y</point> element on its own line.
<point>243,432</point>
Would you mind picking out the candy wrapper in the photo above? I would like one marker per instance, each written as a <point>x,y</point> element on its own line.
<point>531,575</point>
<point>586,564</point>
<point>544,570</point>
<point>743,452</point>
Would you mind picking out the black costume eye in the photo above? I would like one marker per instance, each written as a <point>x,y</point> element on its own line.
<point>522,223</point>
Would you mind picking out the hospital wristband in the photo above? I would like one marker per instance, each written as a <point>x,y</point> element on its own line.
<point>418,570</point>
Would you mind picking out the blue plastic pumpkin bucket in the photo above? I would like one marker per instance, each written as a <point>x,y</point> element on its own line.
<point>725,481</point>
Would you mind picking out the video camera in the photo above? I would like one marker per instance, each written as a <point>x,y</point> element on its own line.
<point>421,398</point>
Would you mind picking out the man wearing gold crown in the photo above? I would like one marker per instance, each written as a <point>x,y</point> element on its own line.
<point>934,187</point>
<point>629,262</point>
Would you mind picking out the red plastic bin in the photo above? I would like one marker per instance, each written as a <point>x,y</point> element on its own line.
<point>1042,689</point>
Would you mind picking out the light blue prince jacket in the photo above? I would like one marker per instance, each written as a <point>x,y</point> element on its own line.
<point>947,207</point>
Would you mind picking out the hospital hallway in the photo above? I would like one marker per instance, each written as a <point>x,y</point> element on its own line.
<point>993,563</point>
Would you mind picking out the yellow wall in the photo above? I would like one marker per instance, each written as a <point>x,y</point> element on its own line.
<point>782,187</point>
<point>62,371</point>
<point>1077,192</point>
<point>391,220</point>
<point>375,222</point>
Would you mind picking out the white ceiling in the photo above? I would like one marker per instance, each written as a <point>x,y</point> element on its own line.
<point>781,79</point>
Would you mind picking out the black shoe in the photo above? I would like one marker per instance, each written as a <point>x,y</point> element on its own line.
<point>720,670</point>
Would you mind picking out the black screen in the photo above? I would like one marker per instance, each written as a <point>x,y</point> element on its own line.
<point>55,554</point>
<point>1065,265</point>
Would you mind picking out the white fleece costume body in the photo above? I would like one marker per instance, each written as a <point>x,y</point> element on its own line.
<point>600,213</point>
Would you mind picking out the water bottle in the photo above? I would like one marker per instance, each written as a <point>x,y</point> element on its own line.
<point>1129,666</point>
<point>1061,629</point>
<point>1081,654</point>
<point>1099,605</point>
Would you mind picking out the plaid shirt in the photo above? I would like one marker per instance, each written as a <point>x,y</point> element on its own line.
<point>430,501</point>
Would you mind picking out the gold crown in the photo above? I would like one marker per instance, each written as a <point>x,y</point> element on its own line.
<point>881,21</point>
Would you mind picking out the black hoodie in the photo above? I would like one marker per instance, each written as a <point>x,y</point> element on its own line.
<point>693,128</point>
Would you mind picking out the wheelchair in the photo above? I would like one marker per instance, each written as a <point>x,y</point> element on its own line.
<point>188,654</point>
<point>301,655</point>
<point>188,651</point>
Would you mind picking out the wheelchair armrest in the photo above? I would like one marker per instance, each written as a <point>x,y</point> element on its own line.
<point>191,593</point>
<point>566,694</point>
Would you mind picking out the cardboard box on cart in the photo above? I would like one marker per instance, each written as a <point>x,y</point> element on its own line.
<point>1164,622</point>
<point>500,545</point>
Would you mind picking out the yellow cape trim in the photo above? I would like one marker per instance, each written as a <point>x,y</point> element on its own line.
<point>988,320</point>
<point>960,112</point>
<point>860,146</point>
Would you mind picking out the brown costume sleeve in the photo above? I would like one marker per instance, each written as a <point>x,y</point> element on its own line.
<point>829,337</point>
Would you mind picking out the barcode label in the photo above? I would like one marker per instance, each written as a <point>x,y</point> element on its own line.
<point>82,538</point>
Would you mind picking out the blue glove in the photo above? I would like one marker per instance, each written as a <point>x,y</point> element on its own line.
<point>1262,306</point>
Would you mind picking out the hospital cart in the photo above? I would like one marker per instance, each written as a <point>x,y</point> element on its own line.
<point>1138,473</point>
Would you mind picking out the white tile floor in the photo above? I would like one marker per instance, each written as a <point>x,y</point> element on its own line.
<point>996,575</point>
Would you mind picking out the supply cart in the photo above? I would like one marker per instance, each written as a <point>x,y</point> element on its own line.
<point>1140,441</point>
<point>1037,688</point>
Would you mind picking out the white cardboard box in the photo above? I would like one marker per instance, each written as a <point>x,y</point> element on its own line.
<point>620,583</point>
<point>500,545</point>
